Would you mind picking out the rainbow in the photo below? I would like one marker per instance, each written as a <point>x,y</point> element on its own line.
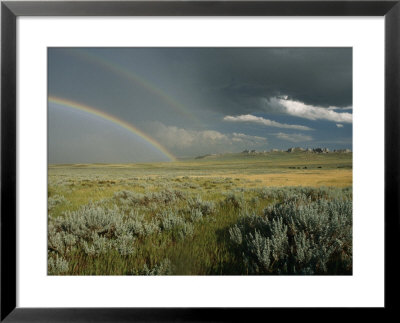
<point>134,77</point>
<point>115,120</point>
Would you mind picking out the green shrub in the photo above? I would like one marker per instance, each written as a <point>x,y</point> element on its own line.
<point>55,200</point>
<point>56,265</point>
<point>164,268</point>
<point>298,236</point>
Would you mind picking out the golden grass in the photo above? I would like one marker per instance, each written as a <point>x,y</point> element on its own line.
<point>317,178</point>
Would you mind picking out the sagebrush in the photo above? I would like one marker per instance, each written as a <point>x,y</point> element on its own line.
<point>166,226</point>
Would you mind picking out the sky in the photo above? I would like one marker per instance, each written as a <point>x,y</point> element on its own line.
<point>125,105</point>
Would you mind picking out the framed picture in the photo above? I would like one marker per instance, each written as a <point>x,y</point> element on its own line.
<point>194,152</point>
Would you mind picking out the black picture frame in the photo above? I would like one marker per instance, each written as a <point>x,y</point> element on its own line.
<point>10,10</point>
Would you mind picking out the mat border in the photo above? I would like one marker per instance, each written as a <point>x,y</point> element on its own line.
<point>10,10</point>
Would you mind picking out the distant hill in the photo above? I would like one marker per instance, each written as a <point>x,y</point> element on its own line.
<point>290,151</point>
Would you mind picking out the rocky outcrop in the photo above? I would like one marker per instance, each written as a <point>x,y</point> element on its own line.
<point>295,149</point>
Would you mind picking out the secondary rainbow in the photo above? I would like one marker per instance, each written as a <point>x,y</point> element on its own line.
<point>123,124</point>
<point>137,79</point>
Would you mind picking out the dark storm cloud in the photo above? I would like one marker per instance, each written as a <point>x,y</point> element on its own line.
<point>228,80</point>
<point>314,76</point>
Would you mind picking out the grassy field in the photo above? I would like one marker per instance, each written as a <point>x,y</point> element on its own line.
<point>277,213</point>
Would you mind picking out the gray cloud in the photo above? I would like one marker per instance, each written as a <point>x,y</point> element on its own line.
<point>187,142</point>
<point>266,122</point>
<point>295,137</point>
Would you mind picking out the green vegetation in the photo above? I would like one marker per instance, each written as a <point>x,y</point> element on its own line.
<point>225,215</point>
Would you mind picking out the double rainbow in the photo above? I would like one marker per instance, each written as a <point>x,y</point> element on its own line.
<point>123,124</point>
<point>130,75</point>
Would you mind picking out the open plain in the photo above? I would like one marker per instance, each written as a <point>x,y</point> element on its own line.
<point>267,213</point>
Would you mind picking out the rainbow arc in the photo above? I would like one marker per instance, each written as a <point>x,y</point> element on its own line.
<point>130,75</point>
<point>121,123</point>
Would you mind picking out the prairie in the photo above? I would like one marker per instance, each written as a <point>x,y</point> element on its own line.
<point>231,214</point>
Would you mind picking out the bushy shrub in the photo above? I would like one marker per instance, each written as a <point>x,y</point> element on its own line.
<point>128,197</point>
<point>60,241</point>
<point>236,201</point>
<point>196,215</point>
<point>163,268</point>
<point>285,193</point>
<point>168,196</point>
<point>205,207</point>
<point>186,230</point>
<point>124,244</point>
<point>56,265</point>
<point>88,220</point>
<point>95,230</point>
<point>97,246</point>
<point>176,225</point>
<point>298,236</point>
<point>170,220</point>
<point>163,197</point>
<point>55,200</point>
